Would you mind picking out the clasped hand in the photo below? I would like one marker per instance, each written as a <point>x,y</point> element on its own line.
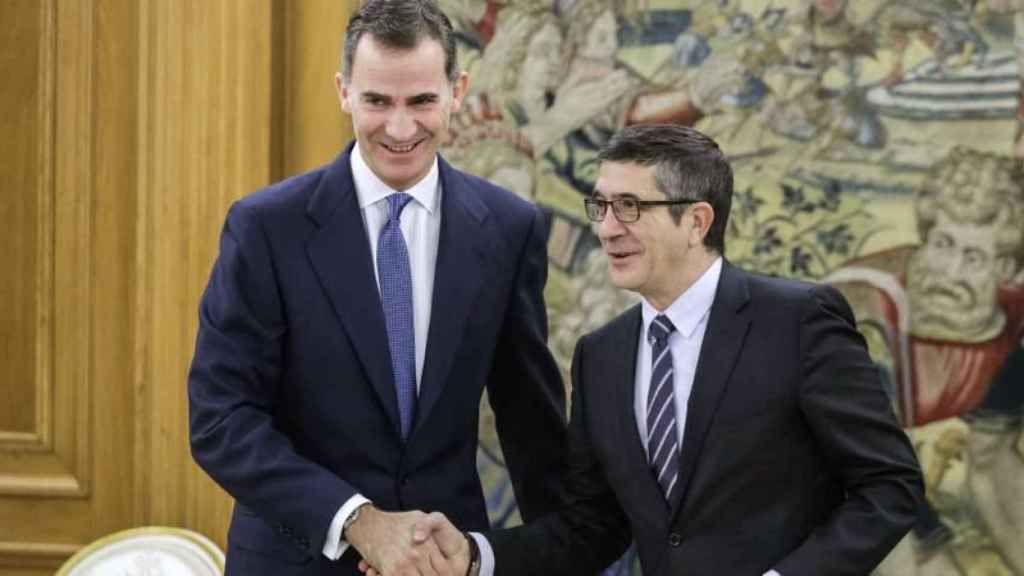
<point>408,544</point>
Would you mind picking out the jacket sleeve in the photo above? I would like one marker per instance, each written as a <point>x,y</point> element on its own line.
<point>525,388</point>
<point>852,420</point>
<point>232,386</point>
<point>590,532</point>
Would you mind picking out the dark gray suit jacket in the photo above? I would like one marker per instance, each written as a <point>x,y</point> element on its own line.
<point>791,459</point>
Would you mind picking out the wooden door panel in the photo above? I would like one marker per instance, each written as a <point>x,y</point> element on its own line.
<point>63,470</point>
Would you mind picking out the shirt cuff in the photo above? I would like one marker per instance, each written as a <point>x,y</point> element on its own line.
<point>486,554</point>
<point>334,546</point>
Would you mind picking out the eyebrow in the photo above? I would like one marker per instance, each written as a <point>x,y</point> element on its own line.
<point>423,98</point>
<point>613,196</point>
<point>366,96</point>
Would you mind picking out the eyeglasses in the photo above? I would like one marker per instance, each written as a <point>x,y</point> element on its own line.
<point>626,210</point>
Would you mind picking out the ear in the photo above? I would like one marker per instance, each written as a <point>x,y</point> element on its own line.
<point>703,215</point>
<point>459,89</point>
<point>343,93</point>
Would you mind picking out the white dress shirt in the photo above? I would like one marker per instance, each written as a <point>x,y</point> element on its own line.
<point>421,228</point>
<point>689,314</point>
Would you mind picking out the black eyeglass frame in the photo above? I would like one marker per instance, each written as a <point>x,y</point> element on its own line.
<point>618,209</point>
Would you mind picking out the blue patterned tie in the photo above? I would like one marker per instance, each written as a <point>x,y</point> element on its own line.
<point>662,444</point>
<point>396,296</point>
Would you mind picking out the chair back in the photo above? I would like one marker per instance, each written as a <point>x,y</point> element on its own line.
<point>150,551</point>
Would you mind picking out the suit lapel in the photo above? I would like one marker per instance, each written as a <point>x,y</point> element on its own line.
<point>340,255</point>
<point>457,280</point>
<point>723,339</point>
<point>620,367</point>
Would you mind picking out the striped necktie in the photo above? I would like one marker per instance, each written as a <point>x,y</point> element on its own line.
<point>662,440</point>
<point>395,277</point>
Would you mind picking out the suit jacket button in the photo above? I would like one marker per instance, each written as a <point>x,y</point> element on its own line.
<point>674,539</point>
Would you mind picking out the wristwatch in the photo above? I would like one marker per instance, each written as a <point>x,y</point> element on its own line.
<point>352,519</point>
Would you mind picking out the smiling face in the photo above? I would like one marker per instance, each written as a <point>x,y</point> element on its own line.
<point>401,103</point>
<point>655,256</point>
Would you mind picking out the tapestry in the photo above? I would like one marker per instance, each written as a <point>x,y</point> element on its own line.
<point>876,147</point>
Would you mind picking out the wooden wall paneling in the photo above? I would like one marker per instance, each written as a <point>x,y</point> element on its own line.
<point>26,178</point>
<point>314,127</point>
<point>51,458</point>
<point>23,54</point>
<point>205,93</point>
<point>142,300</point>
<point>33,558</point>
<point>114,214</point>
<point>72,238</point>
<point>66,487</point>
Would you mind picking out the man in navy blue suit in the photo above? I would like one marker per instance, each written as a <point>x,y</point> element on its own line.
<point>352,320</point>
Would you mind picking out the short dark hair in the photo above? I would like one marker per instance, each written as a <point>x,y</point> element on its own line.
<point>687,164</point>
<point>400,25</point>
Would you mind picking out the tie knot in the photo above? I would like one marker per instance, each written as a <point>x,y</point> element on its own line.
<point>660,329</point>
<point>396,203</point>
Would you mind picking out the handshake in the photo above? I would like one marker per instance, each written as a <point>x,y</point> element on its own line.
<point>410,544</point>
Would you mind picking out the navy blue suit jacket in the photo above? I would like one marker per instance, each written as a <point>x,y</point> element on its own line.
<point>292,403</point>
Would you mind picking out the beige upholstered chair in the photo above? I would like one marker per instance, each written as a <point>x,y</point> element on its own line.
<point>152,551</point>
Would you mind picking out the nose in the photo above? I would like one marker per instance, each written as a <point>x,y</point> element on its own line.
<point>609,227</point>
<point>401,127</point>
<point>958,263</point>
<point>950,265</point>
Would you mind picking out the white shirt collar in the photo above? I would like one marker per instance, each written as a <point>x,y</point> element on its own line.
<point>692,306</point>
<point>370,189</point>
